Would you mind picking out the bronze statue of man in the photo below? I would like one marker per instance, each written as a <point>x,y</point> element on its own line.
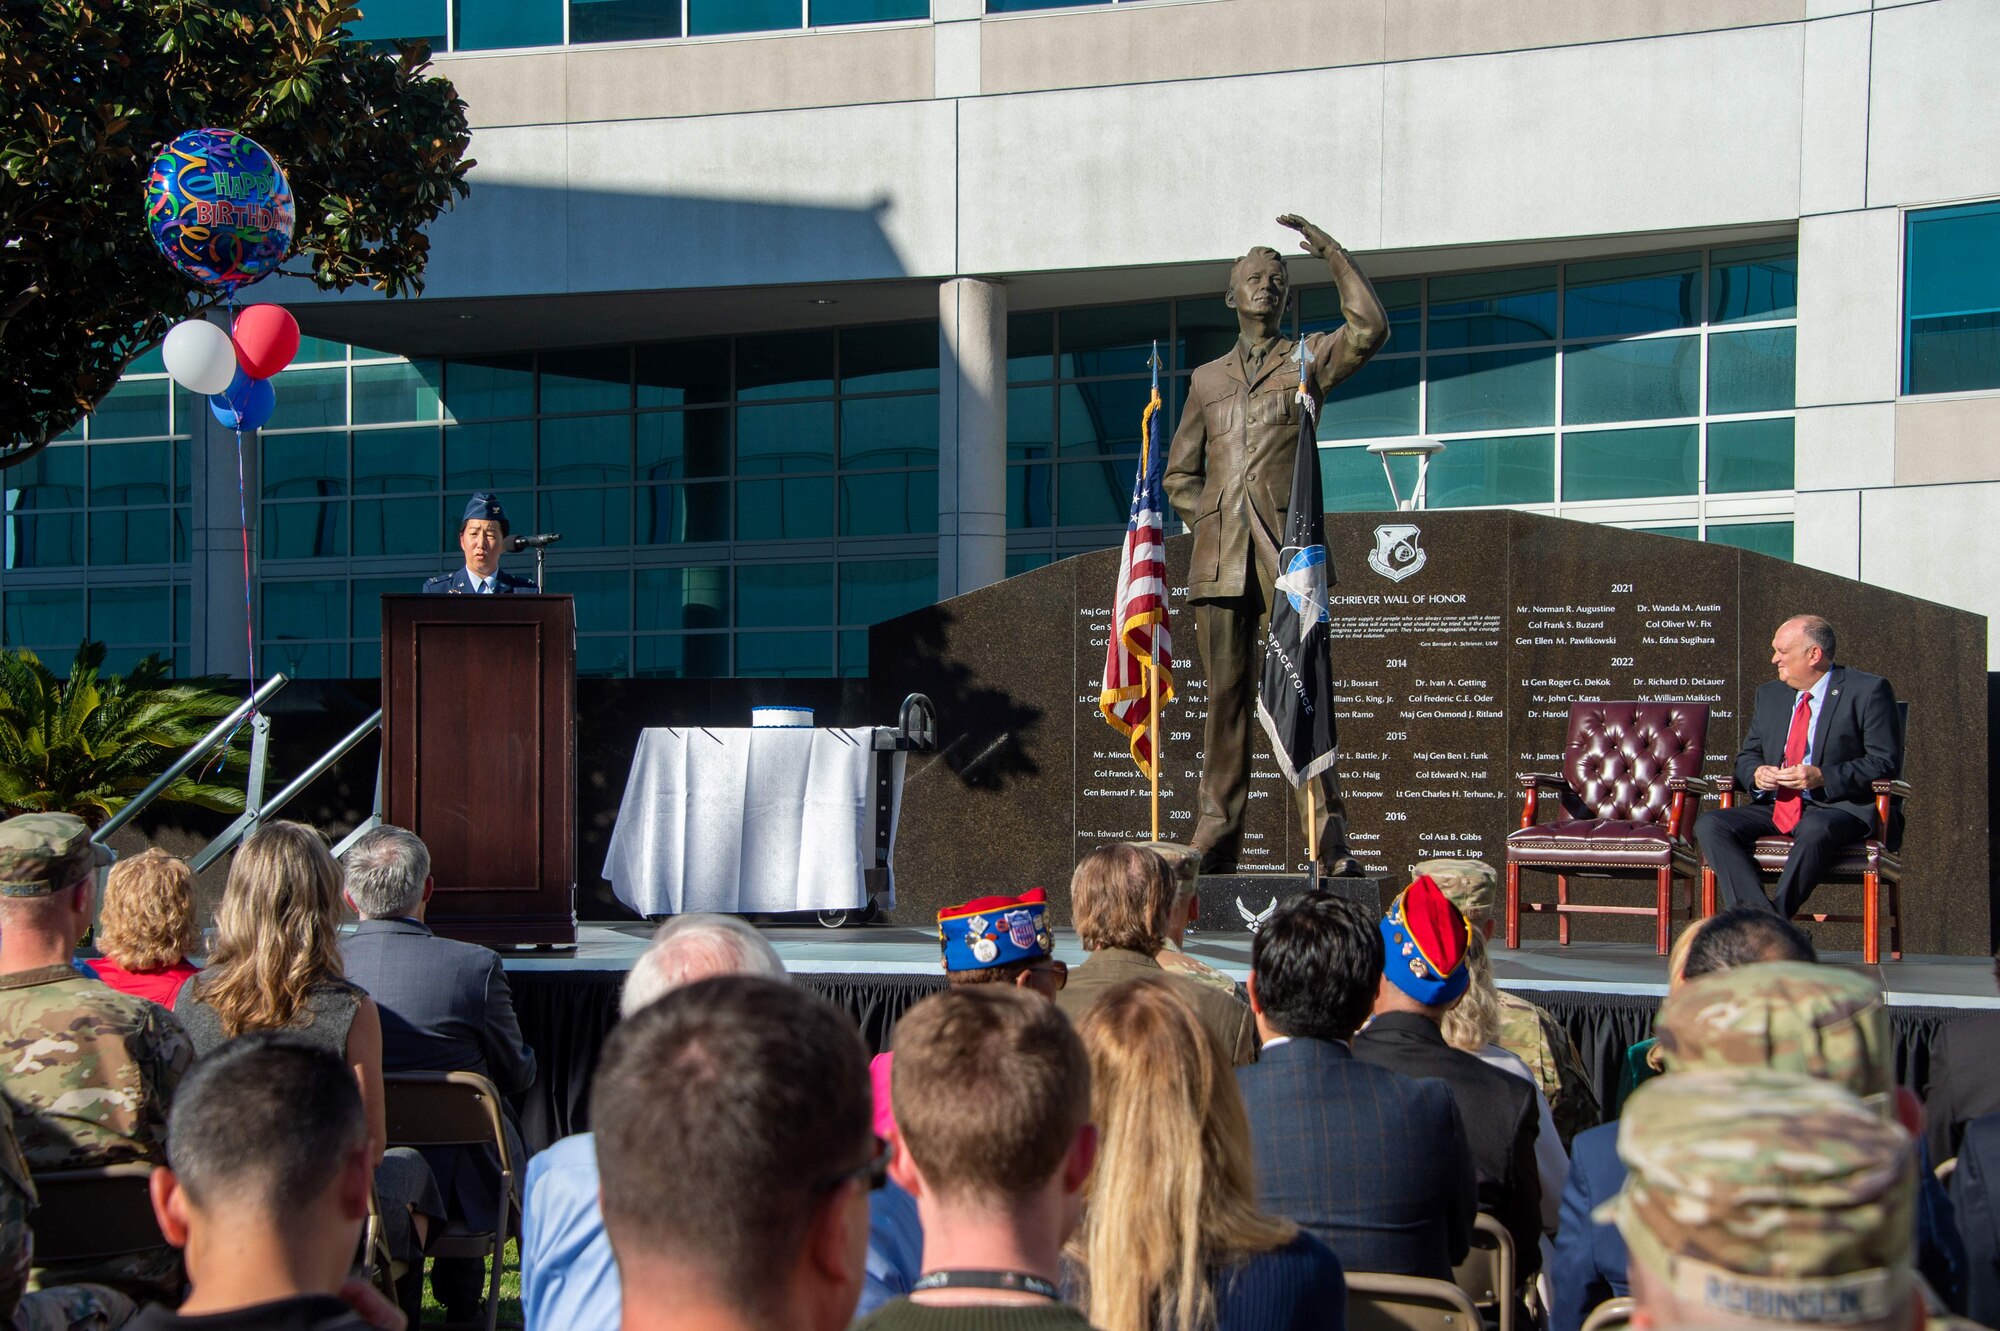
<point>1229,476</point>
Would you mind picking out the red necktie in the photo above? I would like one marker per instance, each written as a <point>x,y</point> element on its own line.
<point>1786,814</point>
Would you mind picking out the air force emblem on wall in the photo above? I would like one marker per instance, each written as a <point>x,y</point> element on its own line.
<point>1304,582</point>
<point>1396,554</point>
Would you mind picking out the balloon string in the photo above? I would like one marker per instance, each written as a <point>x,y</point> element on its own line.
<point>243,519</point>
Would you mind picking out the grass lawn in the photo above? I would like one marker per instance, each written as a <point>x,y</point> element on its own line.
<point>510,1292</point>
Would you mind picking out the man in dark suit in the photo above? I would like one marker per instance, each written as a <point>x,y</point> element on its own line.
<point>1821,736</point>
<point>445,1008</point>
<point>1975,1189</point>
<point>482,535</point>
<point>1964,1080</point>
<point>1423,977</point>
<point>1373,1162</point>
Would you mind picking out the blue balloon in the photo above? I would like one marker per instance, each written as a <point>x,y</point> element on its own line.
<point>246,404</point>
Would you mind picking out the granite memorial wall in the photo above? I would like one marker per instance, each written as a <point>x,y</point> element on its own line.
<point>1460,640</point>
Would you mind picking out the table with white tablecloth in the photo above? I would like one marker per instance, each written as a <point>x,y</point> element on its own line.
<point>753,821</point>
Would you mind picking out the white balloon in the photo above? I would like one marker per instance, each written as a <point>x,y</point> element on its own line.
<point>199,356</point>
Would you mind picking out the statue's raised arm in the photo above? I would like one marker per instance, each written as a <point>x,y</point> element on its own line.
<point>1367,325</point>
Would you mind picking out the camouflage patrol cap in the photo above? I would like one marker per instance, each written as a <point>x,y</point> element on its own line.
<point>43,853</point>
<point>1791,1016</point>
<point>1766,1196</point>
<point>1467,884</point>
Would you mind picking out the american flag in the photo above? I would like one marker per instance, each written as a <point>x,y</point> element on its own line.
<point>1140,632</point>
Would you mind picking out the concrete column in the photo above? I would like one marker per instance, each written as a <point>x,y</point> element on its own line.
<point>972,434</point>
<point>215,622</point>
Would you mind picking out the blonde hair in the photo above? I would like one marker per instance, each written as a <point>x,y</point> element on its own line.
<point>1677,964</point>
<point>1120,897</point>
<point>1474,1021</point>
<point>277,931</point>
<point>1173,1192</point>
<point>148,920</point>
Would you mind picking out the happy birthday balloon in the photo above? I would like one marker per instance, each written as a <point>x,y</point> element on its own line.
<point>219,208</point>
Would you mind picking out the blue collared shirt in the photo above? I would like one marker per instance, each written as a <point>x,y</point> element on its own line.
<point>569,1279</point>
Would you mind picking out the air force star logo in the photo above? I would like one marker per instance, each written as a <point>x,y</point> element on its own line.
<point>1396,554</point>
<point>1304,581</point>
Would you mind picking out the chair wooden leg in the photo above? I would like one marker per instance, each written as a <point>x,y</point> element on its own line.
<point>1663,917</point>
<point>1562,916</point>
<point>1895,921</point>
<point>1707,891</point>
<point>1513,905</point>
<point>1871,919</point>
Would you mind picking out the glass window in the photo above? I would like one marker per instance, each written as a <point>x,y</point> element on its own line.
<point>1750,455</point>
<point>368,594</point>
<point>782,595</point>
<point>1206,329</point>
<point>778,510</point>
<point>398,526</point>
<point>884,588</point>
<point>683,443</point>
<point>310,399</point>
<point>1766,538</point>
<point>1492,390</point>
<point>132,536</point>
<point>598,379</point>
<point>1378,400</point>
<point>1632,381</point>
<point>779,365</point>
<point>128,473</point>
<point>490,457</point>
<point>1031,347</point>
<point>1753,282</point>
<point>603,597</point>
<point>307,660</point>
<point>1351,480</point>
<point>1094,493</point>
<point>890,503</point>
<point>394,461</point>
<point>183,472</point>
<point>417,20</point>
<point>825,12</point>
<point>682,656</point>
<point>120,615</point>
<point>312,349</point>
<point>1319,311</point>
<point>1516,469</point>
<point>786,655</point>
<point>51,540</point>
<point>853,645</point>
<point>793,437</point>
<point>44,617</point>
<point>1754,370</point>
<point>586,449</point>
<point>889,431</point>
<point>149,361</point>
<point>1618,297</point>
<point>304,531</point>
<point>397,392</point>
<point>133,408</point>
<point>894,357</point>
<point>489,25</point>
<point>53,478</point>
<point>674,514</point>
<point>676,374</point>
<point>305,466</point>
<point>1027,560</point>
<point>307,609</point>
<point>1031,424</point>
<point>682,598</point>
<point>623,20</point>
<point>1029,501</point>
<point>603,658</point>
<point>1111,339</point>
<point>1102,417</point>
<point>1019,6</point>
<point>589,518</point>
<point>1951,300</point>
<point>1629,464</point>
<point>1491,309</point>
<point>487,387</point>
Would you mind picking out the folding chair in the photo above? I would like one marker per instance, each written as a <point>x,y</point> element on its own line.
<point>93,1215</point>
<point>1487,1273</point>
<point>1610,1315</point>
<point>457,1109</point>
<point>1377,1302</point>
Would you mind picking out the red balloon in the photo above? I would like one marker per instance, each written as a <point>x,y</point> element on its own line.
<point>266,338</point>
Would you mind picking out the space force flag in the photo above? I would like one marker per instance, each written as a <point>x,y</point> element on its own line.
<point>1295,698</point>
<point>1140,633</point>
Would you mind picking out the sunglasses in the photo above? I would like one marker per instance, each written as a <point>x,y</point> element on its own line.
<point>1059,969</point>
<point>875,1168</point>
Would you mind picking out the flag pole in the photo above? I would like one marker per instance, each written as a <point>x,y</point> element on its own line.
<point>1312,824</point>
<point>1153,705</point>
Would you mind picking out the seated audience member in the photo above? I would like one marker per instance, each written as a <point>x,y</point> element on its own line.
<point>1172,1236</point>
<point>1964,1079</point>
<point>1757,1198</point>
<point>992,1102</point>
<point>90,1071</point>
<point>1373,1162</point>
<point>1423,975</point>
<point>445,1007</point>
<point>1119,898</point>
<point>736,1160</point>
<point>266,1189</point>
<point>147,928</point>
<point>1975,1188</point>
<point>1185,863</point>
<point>1642,1060</point>
<point>569,1278</point>
<point>1528,1032</point>
<point>62,1307</point>
<point>276,967</point>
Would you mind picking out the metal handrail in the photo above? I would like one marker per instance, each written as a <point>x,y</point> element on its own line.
<point>202,748</point>
<point>252,817</point>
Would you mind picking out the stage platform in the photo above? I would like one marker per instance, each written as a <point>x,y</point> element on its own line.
<point>1604,994</point>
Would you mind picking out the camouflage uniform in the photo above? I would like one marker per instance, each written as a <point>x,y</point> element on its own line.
<point>90,1071</point>
<point>1185,861</point>
<point>1762,1196</point>
<point>69,1308</point>
<point>1790,1016</point>
<point>1526,1031</point>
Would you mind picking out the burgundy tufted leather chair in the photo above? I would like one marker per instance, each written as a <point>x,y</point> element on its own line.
<point>1628,771</point>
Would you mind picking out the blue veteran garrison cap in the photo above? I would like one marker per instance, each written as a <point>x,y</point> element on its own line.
<point>483,504</point>
<point>1424,940</point>
<point>995,931</point>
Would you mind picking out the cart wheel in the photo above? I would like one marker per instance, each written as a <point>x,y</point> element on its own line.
<point>833,919</point>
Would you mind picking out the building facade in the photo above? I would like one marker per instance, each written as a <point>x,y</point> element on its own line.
<point>793,315</point>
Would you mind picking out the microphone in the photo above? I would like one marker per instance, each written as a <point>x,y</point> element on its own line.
<point>520,543</point>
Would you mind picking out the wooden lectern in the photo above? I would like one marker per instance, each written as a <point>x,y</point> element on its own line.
<point>479,758</point>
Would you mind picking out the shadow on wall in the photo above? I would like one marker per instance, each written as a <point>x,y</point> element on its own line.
<point>983,731</point>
